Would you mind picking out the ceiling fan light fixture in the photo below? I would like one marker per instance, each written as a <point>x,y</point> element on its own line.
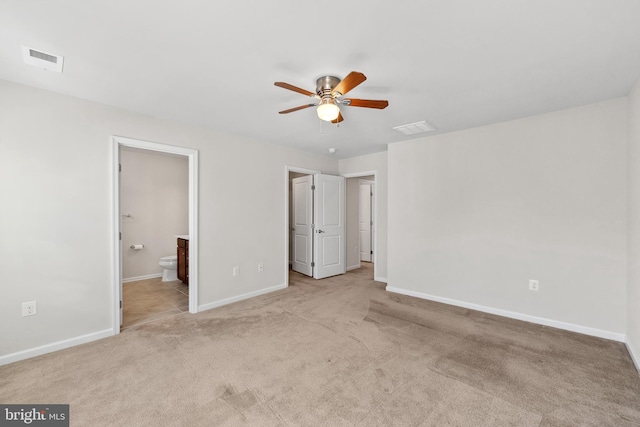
<point>328,110</point>
<point>329,91</point>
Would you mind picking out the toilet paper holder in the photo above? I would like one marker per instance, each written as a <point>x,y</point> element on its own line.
<point>137,247</point>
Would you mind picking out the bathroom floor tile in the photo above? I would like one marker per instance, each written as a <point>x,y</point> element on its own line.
<point>159,306</point>
<point>151,299</point>
<point>133,308</point>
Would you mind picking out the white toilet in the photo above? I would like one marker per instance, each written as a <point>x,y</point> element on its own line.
<point>169,266</point>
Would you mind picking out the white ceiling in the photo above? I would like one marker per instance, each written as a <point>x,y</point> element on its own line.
<point>455,64</point>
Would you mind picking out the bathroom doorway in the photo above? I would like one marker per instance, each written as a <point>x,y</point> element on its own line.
<point>154,202</point>
<point>145,228</point>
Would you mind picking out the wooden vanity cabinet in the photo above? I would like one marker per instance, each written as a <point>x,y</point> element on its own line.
<point>183,260</point>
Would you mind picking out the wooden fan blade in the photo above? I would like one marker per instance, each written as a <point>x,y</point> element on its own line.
<point>352,80</point>
<point>294,88</point>
<point>339,119</point>
<point>302,107</point>
<point>368,103</point>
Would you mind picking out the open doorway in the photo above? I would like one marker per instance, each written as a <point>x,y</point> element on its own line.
<point>291,173</point>
<point>361,221</point>
<point>154,202</point>
<point>120,144</point>
<point>315,223</point>
<point>366,218</point>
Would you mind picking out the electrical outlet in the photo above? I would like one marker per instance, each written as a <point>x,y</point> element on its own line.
<point>533,285</point>
<point>29,308</point>
<point>236,271</point>
<point>260,267</point>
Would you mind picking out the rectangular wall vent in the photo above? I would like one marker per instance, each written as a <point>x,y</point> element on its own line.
<point>413,128</point>
<point>41,59</point>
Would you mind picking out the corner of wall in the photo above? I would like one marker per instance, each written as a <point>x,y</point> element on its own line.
<point>634,353</point>
<point>633,226</point>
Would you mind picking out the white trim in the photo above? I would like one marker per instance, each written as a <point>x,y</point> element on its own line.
<point>615,336</point>
<point>55,346</point>
<point>634,357</point>
<point>192,155</point>
<point>288,169</point>
<point>237,298</point>
<point>380,278</point>
<point>135,279</point>
<point>353,267</point>
<point>360,174</point>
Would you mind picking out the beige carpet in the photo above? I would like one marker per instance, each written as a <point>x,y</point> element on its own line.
<point>340,351</point>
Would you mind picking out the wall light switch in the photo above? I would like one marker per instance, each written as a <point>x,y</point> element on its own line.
<point>236,271</point>
<point>533,285</point>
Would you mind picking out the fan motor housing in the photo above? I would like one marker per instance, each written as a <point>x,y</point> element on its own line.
<point>324,85</point>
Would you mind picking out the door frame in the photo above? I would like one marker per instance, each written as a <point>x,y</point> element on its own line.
<point>375,212</point>
<point>116,219</point>
<point>287,239</point>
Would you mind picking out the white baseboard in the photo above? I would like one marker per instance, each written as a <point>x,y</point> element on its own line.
<point>231,300</point>
<point>513,315</point>
<point>353,267</point>
<point>148,276</point>
<point>634,356</point>
<point>49,348</point>
<point>382,279</point>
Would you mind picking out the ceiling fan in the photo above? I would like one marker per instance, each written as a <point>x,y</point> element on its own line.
<point>329,94</point>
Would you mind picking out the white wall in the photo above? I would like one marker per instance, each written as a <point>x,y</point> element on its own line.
<point>633,291</point>
<point>475,214</point>
<point>374,162</point>
<point>56,220</point>
<point>155,192</point>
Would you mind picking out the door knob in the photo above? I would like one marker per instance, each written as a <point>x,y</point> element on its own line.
<point>320,231</point>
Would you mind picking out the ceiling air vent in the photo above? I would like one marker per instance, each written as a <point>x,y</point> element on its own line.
<point>41,59</point>
<point>413,128</point>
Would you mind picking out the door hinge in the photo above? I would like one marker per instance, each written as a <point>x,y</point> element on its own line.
<point>313,264</point>
<point>120,303</point>
<point>119,167</point>
<point>371,252</point>
<point>313,187</point>
<point>120,235</point>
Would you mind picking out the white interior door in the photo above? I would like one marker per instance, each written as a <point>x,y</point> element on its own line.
<point>302,225</point>
<point>365,222</point>
<point>329,215</point>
